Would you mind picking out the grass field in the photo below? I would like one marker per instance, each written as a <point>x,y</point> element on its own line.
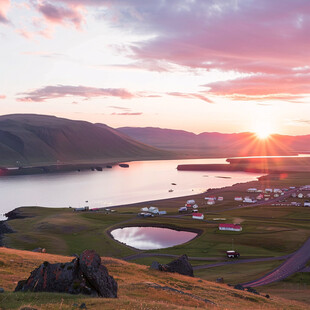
<point>268,231</point>
<point>136,289</point>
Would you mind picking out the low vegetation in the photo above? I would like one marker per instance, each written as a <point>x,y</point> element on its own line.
<point>139,288</point>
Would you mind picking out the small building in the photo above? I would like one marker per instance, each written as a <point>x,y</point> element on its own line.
<point>277,190</point>
<point>260,197</point>
<point>268,190</point>
<point>238,198</point>
<point>153,210</point>
<point>162,212</point>
<point>294,195</point>
<point>195,206</point>
<point>249,200</point>
<point>183,209</point>
<point>191,202</point>
<point>252,190</point>
<point>210,198</point>
<point>276,195</point>
<point>306,204</point>
<point>211,202</point>
<point>300,195</point>
<point>198,216</point>
<point>81,209</point>
<point>220,198</point>
<point>230,227</point>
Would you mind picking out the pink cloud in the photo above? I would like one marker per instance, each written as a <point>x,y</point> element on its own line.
<point>61,91</point>
<point>4,7</point>
<point>265,86</point>
<point>2,96</point>
<point>60,14</point>
<point>191,96</point>
<point>127,113</point>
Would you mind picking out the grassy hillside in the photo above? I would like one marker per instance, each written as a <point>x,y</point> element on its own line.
<point>139,288</point>
<point>28,139</point>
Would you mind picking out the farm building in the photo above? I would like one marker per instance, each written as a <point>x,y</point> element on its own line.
<point>252,190</point>
<point>211,202</point>
<point>210,198</point>
<point>268,190</point>
<point>300,195</point>
<point>220,198</point>
<point>306,204</point>
<point>249,200</point>
<point>190,202</point>
<point>231,227</point>
<point>237,198</point>
<point>198,216</point>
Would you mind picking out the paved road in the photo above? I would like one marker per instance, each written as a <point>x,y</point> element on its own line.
<point>296,262</point>
<point>241,261</point>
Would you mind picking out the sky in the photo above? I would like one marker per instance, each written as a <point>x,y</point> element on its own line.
<point>196,65</point>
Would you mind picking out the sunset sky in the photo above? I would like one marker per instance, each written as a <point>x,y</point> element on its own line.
<point>222,65</point>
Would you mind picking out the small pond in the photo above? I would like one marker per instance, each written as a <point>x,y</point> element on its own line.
<point>151,238</point>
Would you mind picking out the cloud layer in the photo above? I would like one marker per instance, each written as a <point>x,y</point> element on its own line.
<point>61,91</point>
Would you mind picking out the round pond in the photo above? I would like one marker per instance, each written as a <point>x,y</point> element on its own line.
<point>151,238</point>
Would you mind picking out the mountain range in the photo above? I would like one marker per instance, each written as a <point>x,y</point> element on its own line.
<point>30,139</point>
<point>218,144</point>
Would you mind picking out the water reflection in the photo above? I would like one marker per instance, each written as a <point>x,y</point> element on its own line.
<point>151,238</point>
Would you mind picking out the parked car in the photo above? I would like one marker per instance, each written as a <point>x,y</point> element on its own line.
<point>232,254</point>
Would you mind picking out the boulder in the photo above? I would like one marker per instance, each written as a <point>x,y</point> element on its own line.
<point>83,275</point>
<point>180,265</point>
<point>220,280</point>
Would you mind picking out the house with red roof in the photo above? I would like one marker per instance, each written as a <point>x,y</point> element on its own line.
<point>231,227</point>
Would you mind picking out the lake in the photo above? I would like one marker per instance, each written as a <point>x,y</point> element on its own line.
<point>151,238</point>
<point>142,181</point>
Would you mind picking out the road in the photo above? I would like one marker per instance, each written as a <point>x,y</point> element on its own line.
<point>296,262</point>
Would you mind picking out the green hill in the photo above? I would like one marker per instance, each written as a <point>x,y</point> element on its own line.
<point>29,139</point>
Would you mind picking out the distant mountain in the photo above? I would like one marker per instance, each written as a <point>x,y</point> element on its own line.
<point>218,144</point>
<point>29,139</point>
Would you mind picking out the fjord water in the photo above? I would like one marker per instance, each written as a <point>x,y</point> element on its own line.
<point>151,238</point>
<point>142,181</point>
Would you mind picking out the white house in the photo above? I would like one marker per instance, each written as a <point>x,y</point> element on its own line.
<point>268,190</point>
<point>306,204</point>
<point>190,202</point>
<point>195,206</point>
<point>249,200</point>
<point>231,227</point>
<point>238,198</point>
<point>252,190</point>
<point>198,216</point>
<point>220,198</point>
<point>211,202</point>
<point>300,195</point>
<point>153,210</point>
<point>277,190</point>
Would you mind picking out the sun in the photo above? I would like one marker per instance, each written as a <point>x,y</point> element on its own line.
<point>262,131</point>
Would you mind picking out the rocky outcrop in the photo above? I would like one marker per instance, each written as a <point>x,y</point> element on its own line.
<point>180,265</point>
<point>83,275</point>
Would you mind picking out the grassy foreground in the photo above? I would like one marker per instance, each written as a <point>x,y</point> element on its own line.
<point>139,288</point>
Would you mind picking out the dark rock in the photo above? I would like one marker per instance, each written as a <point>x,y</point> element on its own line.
<point>267,296</point>
<point>156,266</point>
<point>252,290</point>
<point>180,265</point>
<point>239,287</point>
<point>28,308</point>
<point>83,306</point>
<point>220,280</point>
<point>83,275</point>
<point>39,250</point>
<point>97,274</point>
<point>1,290</point>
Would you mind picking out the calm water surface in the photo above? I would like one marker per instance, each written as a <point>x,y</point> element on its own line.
<point>151,238</point>
<point>142,181</point>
